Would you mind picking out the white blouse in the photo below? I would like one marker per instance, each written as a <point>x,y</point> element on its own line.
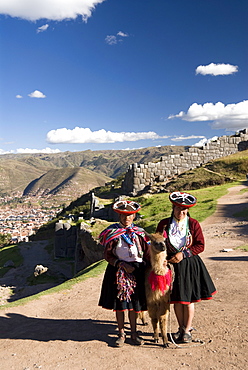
<point>127,253</point>
<point>177,232</point>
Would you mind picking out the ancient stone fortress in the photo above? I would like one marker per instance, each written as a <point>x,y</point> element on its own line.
<point>140,176</point>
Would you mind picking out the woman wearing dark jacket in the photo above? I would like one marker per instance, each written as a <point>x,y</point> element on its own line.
<point>126,251</point>
<point>192,282</point>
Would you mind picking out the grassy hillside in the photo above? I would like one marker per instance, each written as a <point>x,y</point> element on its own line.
<point>220,171</point>
<point>74,181</point>
<point>155,207</point>
<point>233,166</point>
<point>15,176</point>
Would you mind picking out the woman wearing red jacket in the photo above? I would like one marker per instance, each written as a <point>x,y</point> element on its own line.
<point>192,282</point>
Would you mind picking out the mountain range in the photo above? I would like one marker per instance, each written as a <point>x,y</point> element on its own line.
<point>74,172</point>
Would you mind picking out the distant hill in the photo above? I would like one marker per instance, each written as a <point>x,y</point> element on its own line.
<point>65,181</point>
<point>21,172</point>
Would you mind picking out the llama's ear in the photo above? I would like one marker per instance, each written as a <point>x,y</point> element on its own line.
<point>148,235</point>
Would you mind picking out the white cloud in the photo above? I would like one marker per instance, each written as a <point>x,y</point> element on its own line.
<point>230,116</point>
<point>29,151</point>
<point>111,39</point>
<point>216,69</point>
<point>37,94</point>
<point>2,152</point>
<point>122,34</point>
<point>42,28</point>
<point>80,135</point>
<point>18,96</point>
<point>114,39</point>
<point>48,9</point>
<point>205,140</point>
<point>181,138</point>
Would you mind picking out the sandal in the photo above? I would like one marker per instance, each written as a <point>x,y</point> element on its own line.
<point>178,335</point>
<point>186,338</point>
<point>120,340</point>
<point>137,341</point>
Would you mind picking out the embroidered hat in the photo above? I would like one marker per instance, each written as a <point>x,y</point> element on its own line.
<point>126,207</point>
<point>184,200</point>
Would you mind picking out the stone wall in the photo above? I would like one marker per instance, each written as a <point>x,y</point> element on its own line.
<point>142,175</point>
<point>65,240</point>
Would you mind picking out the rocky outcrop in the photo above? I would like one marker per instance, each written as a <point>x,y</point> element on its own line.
<point>88,249</point>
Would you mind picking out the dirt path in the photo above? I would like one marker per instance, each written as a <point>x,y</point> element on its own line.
<point>68,331</point>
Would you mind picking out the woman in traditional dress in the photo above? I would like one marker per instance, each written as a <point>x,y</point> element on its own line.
<point>192,282</point>
<point>127,252</point>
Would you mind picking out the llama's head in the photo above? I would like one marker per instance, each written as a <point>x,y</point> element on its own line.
<point>157,242</point>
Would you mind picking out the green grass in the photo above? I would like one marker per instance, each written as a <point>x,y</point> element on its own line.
<point>10,252</point>
<point>91,271</point>
<point>156,207</point>
<point>243,248</point>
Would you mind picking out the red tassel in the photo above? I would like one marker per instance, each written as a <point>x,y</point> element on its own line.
<point>160,282</point>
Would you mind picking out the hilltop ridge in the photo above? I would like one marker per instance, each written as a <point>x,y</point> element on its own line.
<point>20,170</point>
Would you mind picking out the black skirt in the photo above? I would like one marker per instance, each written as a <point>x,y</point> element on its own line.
<point>192,281</point>
<point>108,297</point>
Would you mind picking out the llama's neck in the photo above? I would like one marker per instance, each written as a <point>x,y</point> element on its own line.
<point>158,263</point>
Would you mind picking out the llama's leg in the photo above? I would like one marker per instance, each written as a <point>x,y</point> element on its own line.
<point>163,320</point>
<point>155,329</point>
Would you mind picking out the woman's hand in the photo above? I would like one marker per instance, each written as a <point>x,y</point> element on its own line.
<point>128,268</point>
<point>176,258</point>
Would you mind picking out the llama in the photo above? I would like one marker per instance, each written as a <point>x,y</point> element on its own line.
<point>158,287</point>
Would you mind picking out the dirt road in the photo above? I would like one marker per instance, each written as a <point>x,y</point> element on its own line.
<point>68,331</point>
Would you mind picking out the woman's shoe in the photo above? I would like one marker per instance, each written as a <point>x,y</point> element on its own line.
<point>136,340</point>
<point>178,335</point>
<point>186,338</point>
<point>120,340</point>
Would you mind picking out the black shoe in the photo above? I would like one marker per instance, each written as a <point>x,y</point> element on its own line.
<point>178,335</point>
<point>186,338</point>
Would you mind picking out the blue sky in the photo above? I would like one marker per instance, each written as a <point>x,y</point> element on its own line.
<point>118,74</point>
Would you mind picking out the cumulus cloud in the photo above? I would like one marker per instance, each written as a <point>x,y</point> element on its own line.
<point>42,28</point>
<point>181,138</point>
<point>18,96</point>
<point>50,9</point>
<point>114,39</point>
<point>29,151</point>
<point>216,69</point>
<point>122,34</point>
<point>80,135</point>
<point>2,152</point>
<point>37,94</point>
<point>229,117</point>
<point>205,141</point>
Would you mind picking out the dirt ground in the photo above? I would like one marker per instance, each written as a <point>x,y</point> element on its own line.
<point>68,331</point>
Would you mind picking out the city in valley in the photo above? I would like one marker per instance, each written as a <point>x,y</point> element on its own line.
<point>21,219</point>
